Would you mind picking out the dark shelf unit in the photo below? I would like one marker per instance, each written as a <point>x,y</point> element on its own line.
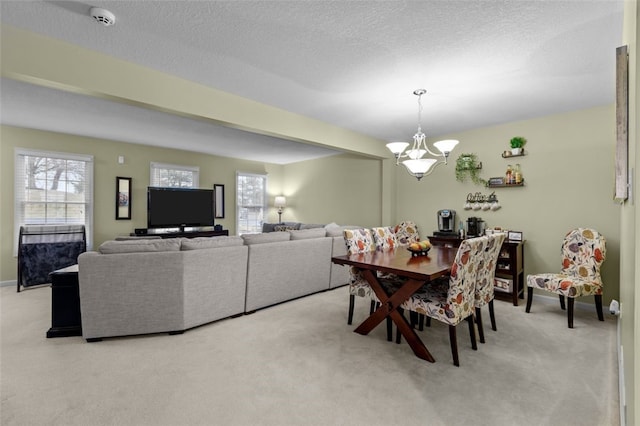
<point>510,265</point>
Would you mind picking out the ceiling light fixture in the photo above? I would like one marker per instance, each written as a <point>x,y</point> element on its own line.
<point>417,165</point>
<point>102,16</point>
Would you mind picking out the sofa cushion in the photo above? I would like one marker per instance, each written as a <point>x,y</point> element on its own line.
<point>271,237</point>
<point>138,246</point>
<point>304,234</point>
<point>268,227</point>
<point>271,227</point>
<point>210,242</point>
<point>311,225</point>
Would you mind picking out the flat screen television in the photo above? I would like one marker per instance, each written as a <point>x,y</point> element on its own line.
<point>179,207</point>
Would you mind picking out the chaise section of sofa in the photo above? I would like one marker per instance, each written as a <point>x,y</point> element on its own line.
<point>152,286</point>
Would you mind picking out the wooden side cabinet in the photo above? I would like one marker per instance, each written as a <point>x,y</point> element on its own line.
<point>65,303</point>
<point>509,268</point>
<point>510,272</point>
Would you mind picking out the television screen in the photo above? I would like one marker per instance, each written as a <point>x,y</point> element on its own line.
<point>179,207</point>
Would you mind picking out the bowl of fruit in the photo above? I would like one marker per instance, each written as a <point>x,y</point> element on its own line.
<point>421,248</point>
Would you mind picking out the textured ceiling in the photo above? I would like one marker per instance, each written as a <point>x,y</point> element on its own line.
<point>353,64</point>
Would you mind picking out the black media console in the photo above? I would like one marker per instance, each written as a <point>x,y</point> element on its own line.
<point>186,234</point>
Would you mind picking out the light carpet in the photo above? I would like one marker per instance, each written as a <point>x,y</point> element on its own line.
<point>299,363</point>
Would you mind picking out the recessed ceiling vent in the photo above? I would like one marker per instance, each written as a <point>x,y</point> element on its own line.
<point>103,16</point>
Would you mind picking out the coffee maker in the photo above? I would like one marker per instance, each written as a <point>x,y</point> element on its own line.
<point>475,227</point>
<point>446,223</point>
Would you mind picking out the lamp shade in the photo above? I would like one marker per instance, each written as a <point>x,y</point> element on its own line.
<point>280,201</point>
<point>397,147</point>
<point>446,145</point>
<point>419,167</point>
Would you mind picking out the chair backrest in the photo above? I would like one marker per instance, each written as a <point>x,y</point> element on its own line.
<point>359,240</point>
<point>583,252</point>
<point>462,282</point>
<point>384,238</point>
<point>484,292</point>
<point>407,233</point>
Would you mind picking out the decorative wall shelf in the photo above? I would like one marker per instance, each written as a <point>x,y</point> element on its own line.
<point>504,185</point>
<point>508,154</point>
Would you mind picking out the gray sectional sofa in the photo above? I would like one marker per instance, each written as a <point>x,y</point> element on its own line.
<point>170,285</point>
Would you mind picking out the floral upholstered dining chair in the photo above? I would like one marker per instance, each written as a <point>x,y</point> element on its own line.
<point>484,292</point>
<point>583,252</point>
<point>452,301</point>
<point>407,233</point>
<point>384,238</point>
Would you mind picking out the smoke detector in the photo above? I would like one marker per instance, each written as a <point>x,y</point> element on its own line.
<point>103,16</point>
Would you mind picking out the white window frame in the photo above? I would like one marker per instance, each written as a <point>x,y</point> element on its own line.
<point>239,207</point>
<point>156,168</point>
<point>20,195</point>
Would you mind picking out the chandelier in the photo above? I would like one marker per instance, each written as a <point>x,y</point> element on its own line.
<point>417,164</point>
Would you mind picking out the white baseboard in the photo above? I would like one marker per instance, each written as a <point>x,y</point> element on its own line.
<point>621,388</point>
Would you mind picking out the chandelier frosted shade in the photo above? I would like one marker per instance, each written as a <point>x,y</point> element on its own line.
<point>420,167</point>
<point>446,146</point>
<point>397,147</point>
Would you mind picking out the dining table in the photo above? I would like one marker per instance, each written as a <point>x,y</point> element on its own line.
<point>416,271</point>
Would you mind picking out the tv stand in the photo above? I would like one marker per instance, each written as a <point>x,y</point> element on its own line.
<point>186,234</point>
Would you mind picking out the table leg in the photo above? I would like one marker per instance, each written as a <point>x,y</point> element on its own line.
<point>388,308</point>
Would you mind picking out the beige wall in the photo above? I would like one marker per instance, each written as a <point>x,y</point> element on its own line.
<point>345,189</point>
<point>568,172</point>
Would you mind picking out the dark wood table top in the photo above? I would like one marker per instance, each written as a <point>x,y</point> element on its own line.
<point>400,261</point>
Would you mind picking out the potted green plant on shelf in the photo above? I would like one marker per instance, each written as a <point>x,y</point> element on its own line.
<point>468,166</point>
<point>517,143</point>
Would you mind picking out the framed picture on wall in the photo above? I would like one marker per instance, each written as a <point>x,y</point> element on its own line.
<point>218,206</point>
<point>622,124</point>
<point>123,198</point>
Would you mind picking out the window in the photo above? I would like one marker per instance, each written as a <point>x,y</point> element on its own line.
<point>53,188</point>
<point>172,176</point>
<point>251,191</point>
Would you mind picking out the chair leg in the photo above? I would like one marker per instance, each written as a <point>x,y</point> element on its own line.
<point>352,302</point>
<point>421,322</point>
<point>373,307</point>
<point>428,321</point>
<point>389,330</point>
<point>562,302</point>
<point>492,314</point>
<point>398,334</point>
<point>472,332</point>
<point>479,322</point>
<point>529,299</point>
<point>454,345</point>
<point>413,318</point>
<point>599,306</point>
<point>570,311</point>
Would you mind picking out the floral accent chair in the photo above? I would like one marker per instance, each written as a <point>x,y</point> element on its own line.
<point>583,252</point>
<point>407,233</point>
<point>453,301</point>
<point>484,293</point>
